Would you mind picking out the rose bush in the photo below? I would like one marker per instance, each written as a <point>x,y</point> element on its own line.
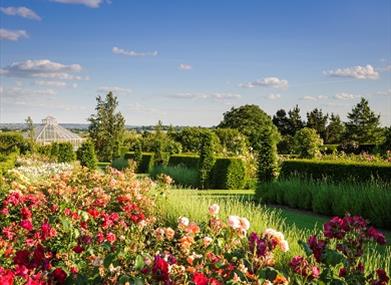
<point>91,227</point>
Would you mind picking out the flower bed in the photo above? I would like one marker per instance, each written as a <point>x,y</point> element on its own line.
<point>82,227</point>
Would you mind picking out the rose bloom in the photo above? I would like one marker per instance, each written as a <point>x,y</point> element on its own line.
<point>234,222</point>
<point>214,209</point>
<point>193,228</point>
<point>284,246</point>
<point>207,241</point>
<point>183,222</point>
<point>244,224</point>
<point>170,233</point>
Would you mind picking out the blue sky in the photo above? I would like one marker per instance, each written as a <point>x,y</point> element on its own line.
<point>187,62</point>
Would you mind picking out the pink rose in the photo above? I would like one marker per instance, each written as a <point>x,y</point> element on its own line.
<point>214,209</point>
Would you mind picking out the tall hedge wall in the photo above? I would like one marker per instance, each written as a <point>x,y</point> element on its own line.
<point>187,160</point>
<point>336,171</point>
<point>146,163</point>
<point>228,173</point>
<point>7,162</point>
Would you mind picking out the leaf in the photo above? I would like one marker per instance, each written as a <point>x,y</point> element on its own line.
<point>108,260</point>
<point>333,257</point>
<point>268,273</point>
<point>139,263</point>
<point>305,247</point>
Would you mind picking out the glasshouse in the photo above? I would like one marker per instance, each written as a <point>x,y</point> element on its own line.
<point>50,131</point>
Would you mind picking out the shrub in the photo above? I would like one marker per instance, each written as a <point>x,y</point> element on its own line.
<point>13,141</point>
<point>266,144</point>
<point>65,152</point>
<point>228,173</point>
<point>145,165</point>
<point>86,155</point>
<point>187,160</point>
<point>183,176</point>
<point>336,170</point>
<point>307,143</point>
<point>120,163</point>
<point>328,149</point>
<point>207,159</point>
<point>7,162</point>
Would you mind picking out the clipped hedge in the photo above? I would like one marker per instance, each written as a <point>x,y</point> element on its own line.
<point>186,160</point>
<point>368,199</point>
<point>228,173</point>
<point>146,164</point>
<point>13,141</point>
<point>182,176</point>
<point>65,152</point>
<point>336,170</point>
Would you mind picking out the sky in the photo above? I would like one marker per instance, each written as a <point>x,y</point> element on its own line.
<point>187,62</point>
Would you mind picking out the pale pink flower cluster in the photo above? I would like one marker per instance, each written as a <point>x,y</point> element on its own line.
<point>239,223</point>
<point>278,237</point>
<point>214,209</point>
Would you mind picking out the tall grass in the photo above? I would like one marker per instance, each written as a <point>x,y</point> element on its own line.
<point>188,203</point>
<point>371,199</point>
<point>183,176</point>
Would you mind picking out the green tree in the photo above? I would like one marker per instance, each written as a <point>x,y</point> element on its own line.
<point>232,141</point>
<point>86,155</point>
<point>262,134</point>
<point>363,125</point>
<point>281,121</point>
<point>295,121</point>
<point>30,129</point>
<point>107,127</point>
<point>307,143</point>
<point>335,129</point>
<point>207,158</point>
<point>318,121</point>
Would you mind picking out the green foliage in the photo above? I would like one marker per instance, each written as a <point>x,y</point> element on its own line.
<point>107,128</point>
<point>183,176</point>
<point>295,121</point>
<point>387,140</point>
<point>185,160</point>
<point>267,140</point>
<point>44,149</point>
<point>120,163</point>
<point>190,138</point>
<point>86,155</point>
<point>228,173</point>
<point>363,125</point>
<point>207,159</point>
<point>336,170</point>
<point>54,149</point>
<point>146,163</point>
<point>328,149</point>
<point>335,130</point>
<point>281,121</point>
<point>307,143</point>
<point>317,121</point>
<point>65,152</point>
<point>138,152</point>
<point>232,141</point>
<point>285,145</point>
<point>13,141</point>
<point>7,162</point>
<point>368,199</point>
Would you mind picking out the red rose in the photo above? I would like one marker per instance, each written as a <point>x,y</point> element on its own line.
<point>200,279</point>
<point>78,249</point>
<point>59,275</point>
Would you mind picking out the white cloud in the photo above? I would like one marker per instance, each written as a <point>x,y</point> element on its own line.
<point>43,68</point>
<point>51,83</point>
<point>384,93</point>
<point>20,11</point>
<point>88,3</point>
<point>24,93</point>
<point>314,98</point>
<point>206,95</point>
<point>267,82</point>
<point>386,68</point>
<point>121,51</point>
<point>273,96</point>
<point>184,66</point>
<point>12,35</point>
<point>357,72</point>
<point>139,108</point>
<point>114,89</point>
<point>344,96</point>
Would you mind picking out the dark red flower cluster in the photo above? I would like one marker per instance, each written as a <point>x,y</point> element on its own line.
<point>260,246</point>
<point>317,246</point>
<point>382,278</point>
<point>301,266</point>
